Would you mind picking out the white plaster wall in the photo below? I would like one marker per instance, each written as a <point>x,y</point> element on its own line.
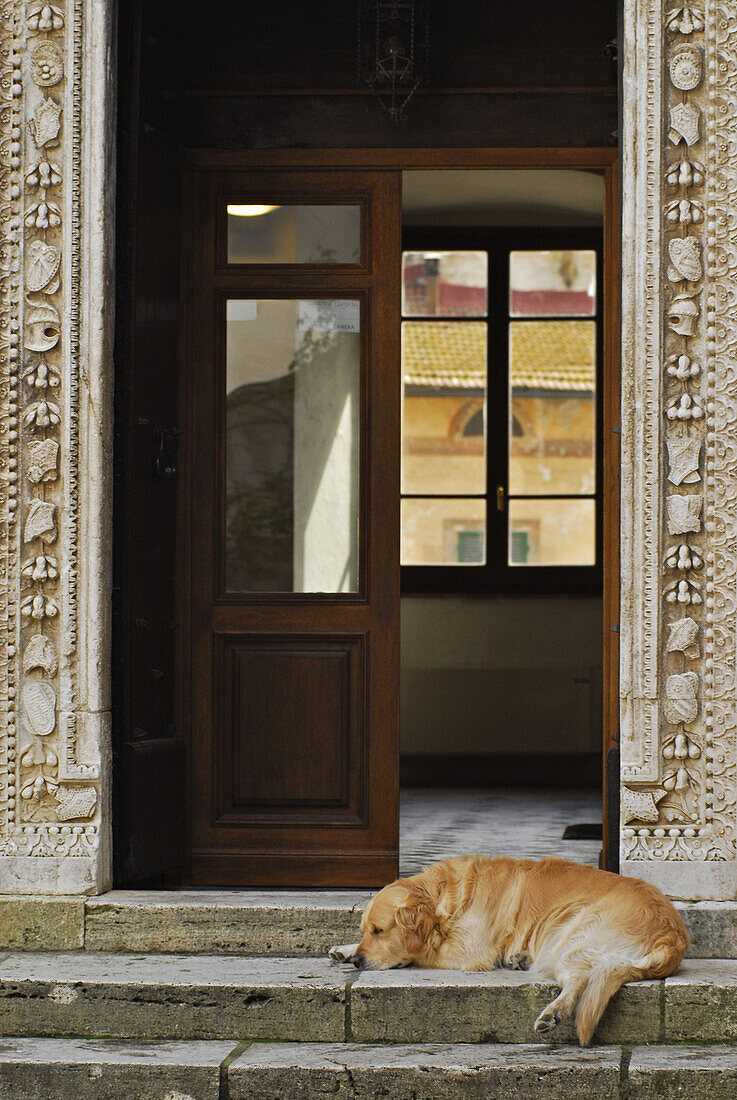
<point>501,675</point>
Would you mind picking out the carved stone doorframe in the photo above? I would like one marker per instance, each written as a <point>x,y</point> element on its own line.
<point>679,445</point>
<point>56,369</point>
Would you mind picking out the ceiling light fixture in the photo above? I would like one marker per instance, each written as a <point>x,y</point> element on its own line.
<point>250,211</point>
<point>393,51</point>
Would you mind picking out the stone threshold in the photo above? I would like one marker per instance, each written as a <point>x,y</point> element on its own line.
<point>84,1070</point>
<point>249,922</point>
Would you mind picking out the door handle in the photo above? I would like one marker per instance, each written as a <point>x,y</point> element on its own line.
<point>166,446</point>
<point>500,501</point>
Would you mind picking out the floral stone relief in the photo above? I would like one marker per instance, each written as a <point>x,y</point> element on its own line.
<point>679,777</point>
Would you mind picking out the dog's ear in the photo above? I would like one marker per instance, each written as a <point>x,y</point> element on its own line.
<point>416,921</point>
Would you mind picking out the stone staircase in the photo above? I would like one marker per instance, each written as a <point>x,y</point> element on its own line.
<point>229,995</point>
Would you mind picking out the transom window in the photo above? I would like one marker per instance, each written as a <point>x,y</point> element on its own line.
<point>500,452</point>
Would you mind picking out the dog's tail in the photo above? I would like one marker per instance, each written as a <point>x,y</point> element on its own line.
<point>604,981</point>
<point>607,977</point>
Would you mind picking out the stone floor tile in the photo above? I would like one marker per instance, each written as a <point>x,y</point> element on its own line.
<point>438,823</point>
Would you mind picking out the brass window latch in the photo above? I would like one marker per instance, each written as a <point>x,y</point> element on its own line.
<point>500,502</point>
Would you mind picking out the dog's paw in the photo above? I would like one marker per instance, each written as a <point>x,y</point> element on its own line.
<point>548,1020</point>
<point>520,961</point>
<point>344,953</point>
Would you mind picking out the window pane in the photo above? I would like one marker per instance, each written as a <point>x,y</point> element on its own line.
<point>444,407</point>
<point>552,284</point>
<point>292,446</point>
<point>552,403</point>
<point>444,284</point>
<point>552,532</point>
<point>443,532</point>
<point>261,234</point>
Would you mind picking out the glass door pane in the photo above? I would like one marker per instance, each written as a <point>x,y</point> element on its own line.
<point>262,234</point>
<point>292,445</point>
<point>552,402</point>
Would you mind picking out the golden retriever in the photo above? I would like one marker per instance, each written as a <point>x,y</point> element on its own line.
<point>588,930</point>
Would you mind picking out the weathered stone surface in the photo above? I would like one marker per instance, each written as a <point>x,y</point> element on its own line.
<point>701,1002</point>
<point>712,926</point>
<point>249,922</point>
<point>683,1073</point>
<point>434,1072</point>
<point>500,1006</point>
<point>41,923</point>
<point>90,994</point>
<point>65,1068</point>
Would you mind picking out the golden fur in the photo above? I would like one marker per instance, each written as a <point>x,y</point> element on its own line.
<point>588,930</point>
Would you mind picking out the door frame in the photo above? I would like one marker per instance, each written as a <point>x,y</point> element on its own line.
<point>603,160</point>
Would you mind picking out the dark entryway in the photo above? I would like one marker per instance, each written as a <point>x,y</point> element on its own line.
<point>270,94</point>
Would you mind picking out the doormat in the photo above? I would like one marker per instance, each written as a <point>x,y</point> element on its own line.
<point>585,831</point>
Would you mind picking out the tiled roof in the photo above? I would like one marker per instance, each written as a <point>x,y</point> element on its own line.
<point>547,355</point>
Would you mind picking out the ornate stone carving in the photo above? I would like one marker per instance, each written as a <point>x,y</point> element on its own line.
<point>640,805</point>
<point>685,68</point>
<point>684,514</point>
<point>682,812</point>
<point>684,313</point>
<point>45,124</point>
<point>683,460</point>
<point>47,65</point>
<point>683,638</point>
<point>44,786</point>
<point>685,124</point>
<point>685,261</point>
<point>685,20</point>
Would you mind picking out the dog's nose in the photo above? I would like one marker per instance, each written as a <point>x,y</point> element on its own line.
<point>358,960</point>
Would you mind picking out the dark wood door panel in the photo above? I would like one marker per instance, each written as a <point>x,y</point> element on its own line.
<point>292,697</point>
<point>291,730</point>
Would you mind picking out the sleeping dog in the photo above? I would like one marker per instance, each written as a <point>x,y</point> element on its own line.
<point>588,930</point>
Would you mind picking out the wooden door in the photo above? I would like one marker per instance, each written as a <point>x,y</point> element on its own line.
<point>289,576</point>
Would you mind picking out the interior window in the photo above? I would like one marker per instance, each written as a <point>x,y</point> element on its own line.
<point>500,361</point>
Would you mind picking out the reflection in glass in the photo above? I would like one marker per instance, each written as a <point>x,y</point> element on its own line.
<point>443,532</point>
<point>552,431</point>
<point>552,532</point>
<point>291,445</point>
<point>552,284</point>
<point>263,234</point>
<point>444,407</point>
<point>444,284</point>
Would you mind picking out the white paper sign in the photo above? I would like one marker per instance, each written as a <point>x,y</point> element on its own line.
<point>242,309</point>
<point>330,315</point>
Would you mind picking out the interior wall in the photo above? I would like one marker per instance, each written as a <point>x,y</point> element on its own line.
<point>496,675</point>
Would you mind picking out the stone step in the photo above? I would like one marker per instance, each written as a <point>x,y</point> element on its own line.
<point>481,1072</point>
<point>116,996</point>
<point>79,1069</point>
<point>248,922</point>
<point>95,995</point>
<point>298,923</point>
<point>85,1070</point>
